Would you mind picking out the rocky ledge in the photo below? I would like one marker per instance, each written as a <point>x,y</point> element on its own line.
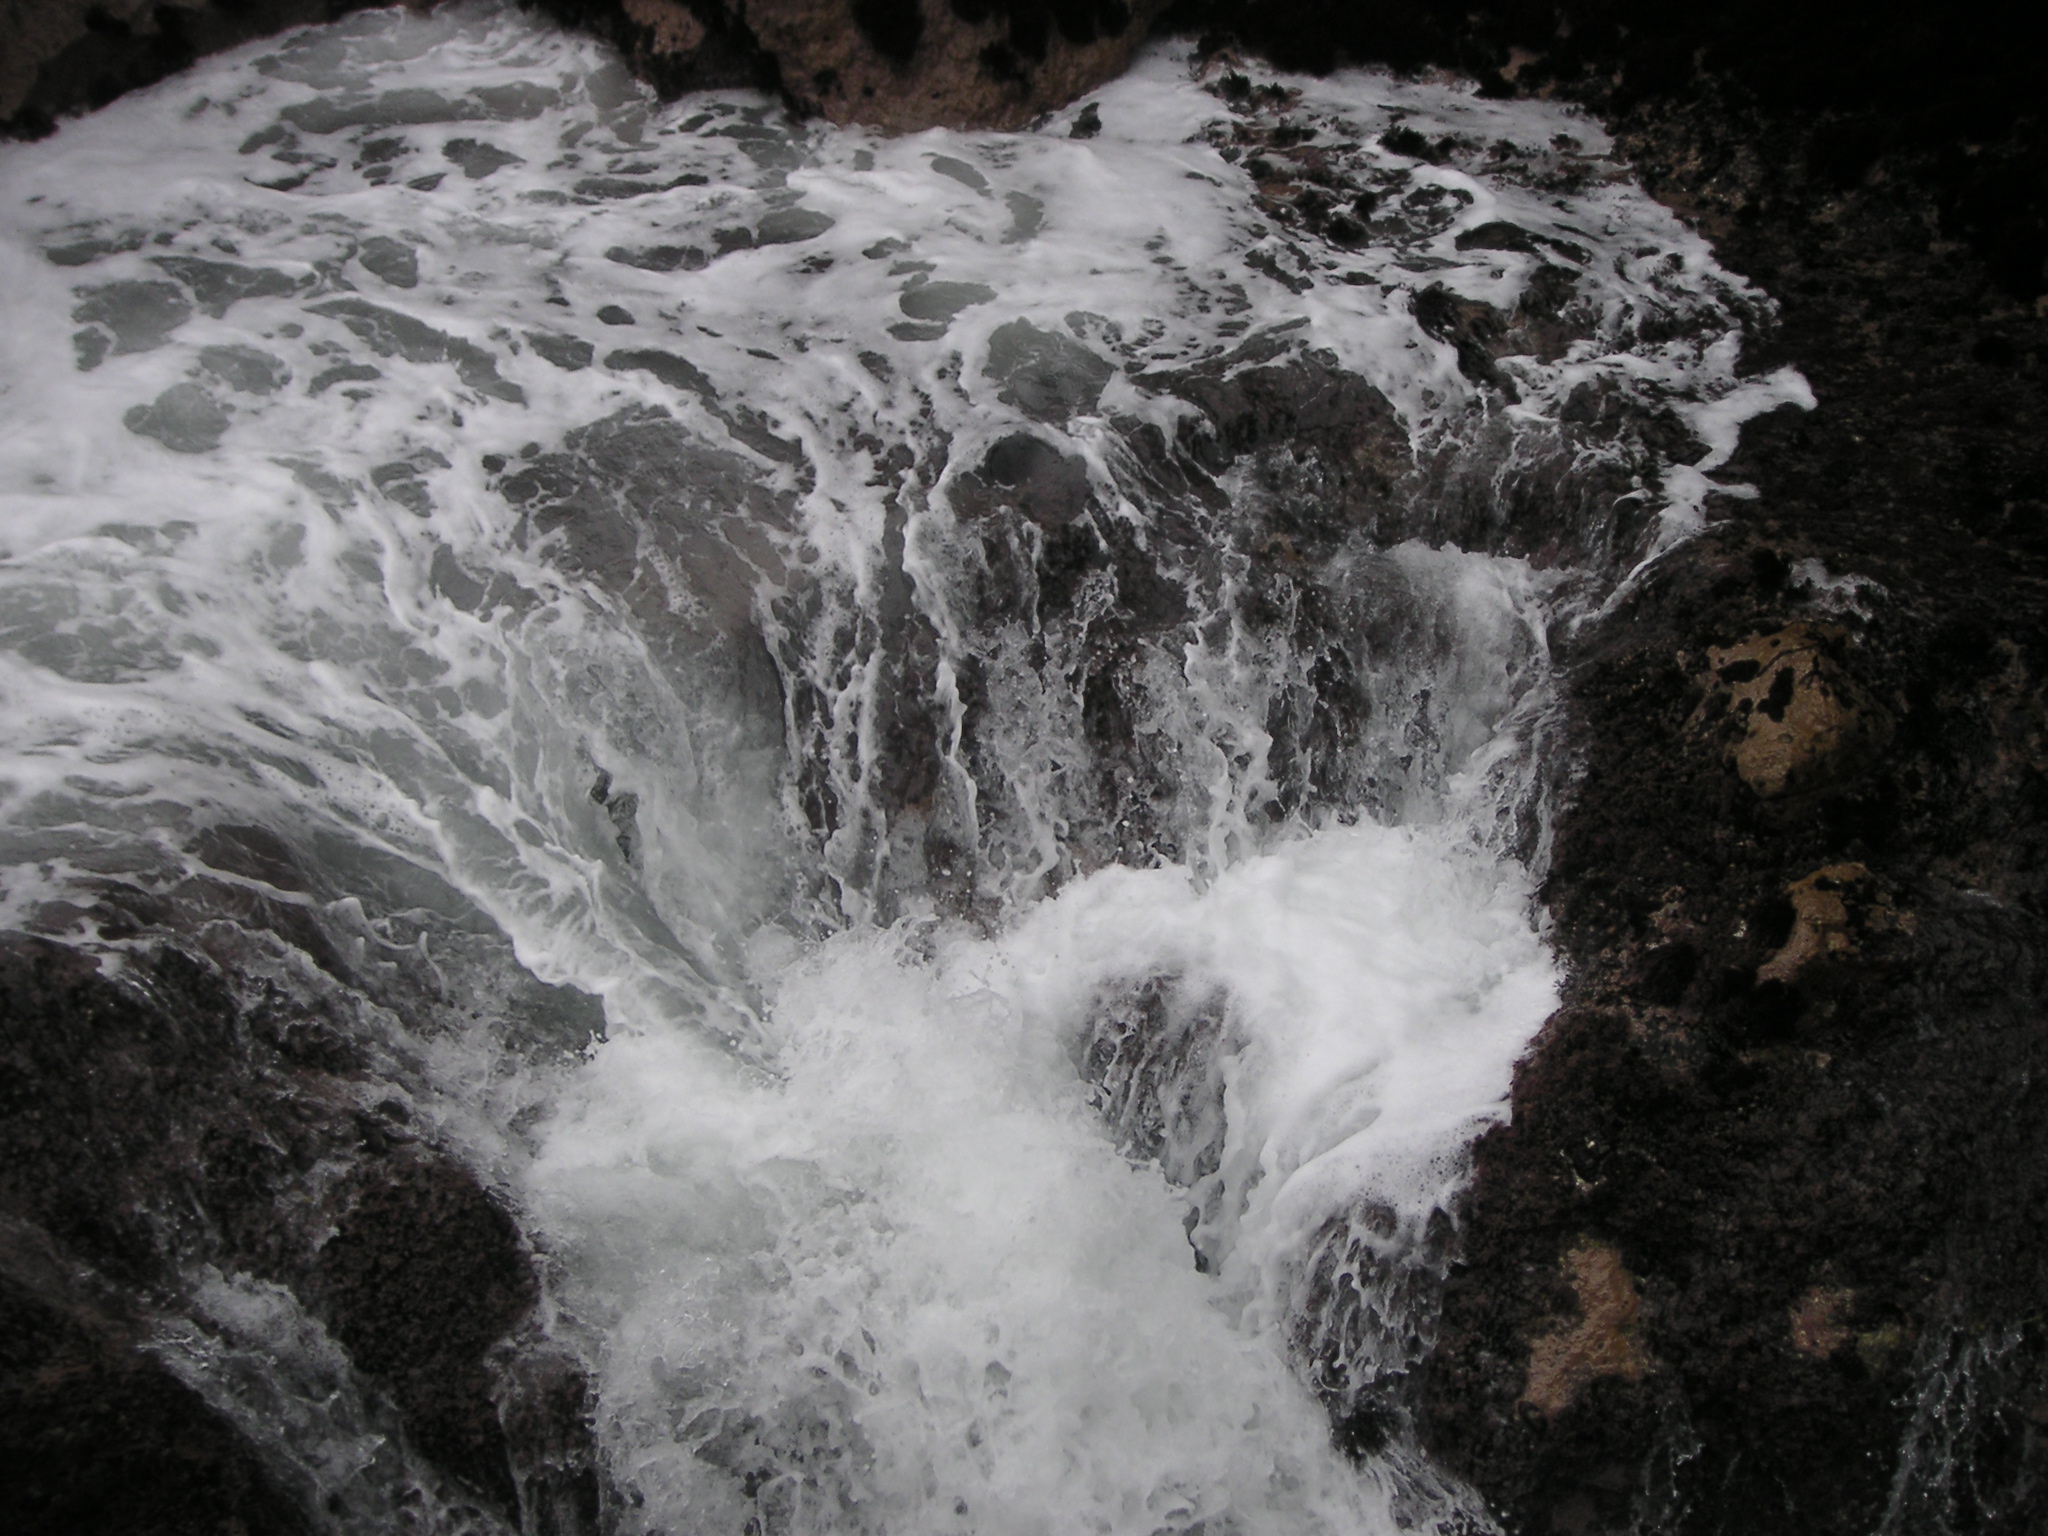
<point>1759,1250</point>
<point>896,64</point>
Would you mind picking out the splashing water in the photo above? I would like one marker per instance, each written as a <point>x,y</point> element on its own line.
<point>1017,667</point>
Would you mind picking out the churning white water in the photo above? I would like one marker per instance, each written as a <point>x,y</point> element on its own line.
<point>554,514</point>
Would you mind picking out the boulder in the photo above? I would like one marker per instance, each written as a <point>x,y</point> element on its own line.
<point>905,65</point>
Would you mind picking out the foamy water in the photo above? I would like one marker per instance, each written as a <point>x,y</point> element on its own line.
<point>511,494</point>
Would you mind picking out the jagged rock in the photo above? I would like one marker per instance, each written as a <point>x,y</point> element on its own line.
<point>901,65</point>
<point>912,64</point>
<point>97,1437</point>
<point>154,1130</point>
<point>59,56</point>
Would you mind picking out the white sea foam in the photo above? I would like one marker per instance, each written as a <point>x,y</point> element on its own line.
<point>911,1280</point>
<point>829,1212</point>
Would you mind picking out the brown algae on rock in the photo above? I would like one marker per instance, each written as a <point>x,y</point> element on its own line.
<point>1799,721</point>
<point>1605,1339</point>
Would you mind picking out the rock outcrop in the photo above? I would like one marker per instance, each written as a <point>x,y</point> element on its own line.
<point>891,64</point>
<point>184,1177</point>
<point>64,56</point>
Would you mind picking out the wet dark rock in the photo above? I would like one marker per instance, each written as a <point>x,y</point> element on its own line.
<point>184,418</point>
<point>391,334</point>
<point>898,64</point>
<point>1047,376</point>
<point>1470,328</point>
<point>1027,473</point>
<point>140,316</point>
<point>1791,1086</point>
<point>1798,1122</point>
<point>640,474</point>
<point>1155,1057</point>
<point>246,369</point>
<point>188,1118</point>
<point>391,261</point>
<point>422,1275</point>
<point>1269,398</point>
<point>97,1437</point>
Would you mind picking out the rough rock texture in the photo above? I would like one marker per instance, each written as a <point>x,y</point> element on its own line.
<point>96,1435</point>
<point>1788,711</point>
<point>161,1143</point>
<point>1603,1338</point>
<point>59,56</point>
<point>1796,1088</point>
<point>894,64</point>
<point>910,64</point>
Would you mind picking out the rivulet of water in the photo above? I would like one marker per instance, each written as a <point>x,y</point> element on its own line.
<point>1017,667</point>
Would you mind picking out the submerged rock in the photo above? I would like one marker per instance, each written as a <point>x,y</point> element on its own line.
<point>184,418</point>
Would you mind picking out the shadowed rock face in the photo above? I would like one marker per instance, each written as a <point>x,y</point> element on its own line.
<point>157,1135</point>
<point>62,56</point>
<point>895,64</point>
<point>97,1436</point>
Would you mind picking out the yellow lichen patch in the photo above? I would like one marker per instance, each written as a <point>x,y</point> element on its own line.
<point>1833,911</point>
<point>1881,1349</point>
<point>1800,722</point>
<point>1604,1340</point>
<point>1817,1326</point>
